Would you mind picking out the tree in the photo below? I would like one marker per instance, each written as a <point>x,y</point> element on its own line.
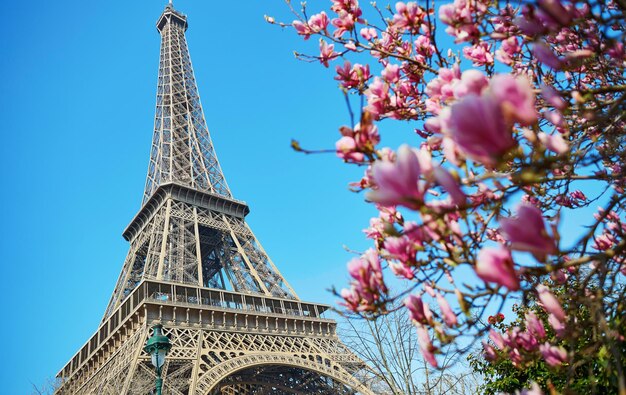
<point>502,373</point>
<point>516,125</point>
<point>388,345</point>
<point>49,387</point>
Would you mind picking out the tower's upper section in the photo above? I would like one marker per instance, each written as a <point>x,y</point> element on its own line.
<point>170,15</point>
<point>182,151</point>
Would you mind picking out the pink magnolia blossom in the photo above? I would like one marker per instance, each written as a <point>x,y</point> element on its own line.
<point>426,345</point>
<point>353,77</point>
<point>402,270</point>
<point>546,55</point>
<point>445,179</point>
<point>554,117</point>
<point>492,137</point>
<point>424,47</point>
<point>548,16</point>
<point>472,81</point>
<point>516,97</point>
<point>317,23</point>
<point>376,229</point>
<point>552,97</point>
<point>400,248</point>
<point>556,324</point>
<point>554,11</point>
<point>415,233</point>
<point>429,289</point>
<point>403,102</point>
<point>303,29</point>
<point>460,17</point>
<point>550,303</point>
<point>448,315</point>
<point>509,49</point>
<point>365,133</point>
<point>405,181</point>
<point>446,13</point>
<point>351,45</point>
<point>351,6</point>
<point>479,54</point>
<point>554,142</point>
<point>368,284</point>
<point>377,97</point>
<point>603,242</point>
<point>389,214</point>
<point>527,232</point>
<point>578,195</point>
<point>346,150</point>
<point>510,337</point>
<point>496,265</point>
<point>497,339</point>
<point>616,51</point>
<point>440,90</point>
<point>528,26</point>
<point>478,127</point>
<point>450,151</point>
<point>344,23</point>
<point>362,73</point>
<point>351,298</point>
<point>398,183</point>
<point>516,357</point>
<point>559,276</point>
<point>358,141</point>
<point>368,33</point>
<point>527,341</point>
<point>327,52</point>
<point>379,225</point>
<point>408,16</point>
<point>494,235</point>
<point>489,352</point>
<point>391,73</point>
<point>450,75</point>
<point>553,355</point>
<point>427,313</point>
<point>367,270</point>
<point>534,325</point>
<point>417,308</point>
<point>433,125</point>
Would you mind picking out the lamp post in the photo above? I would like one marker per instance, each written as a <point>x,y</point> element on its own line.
<point>158,346</point>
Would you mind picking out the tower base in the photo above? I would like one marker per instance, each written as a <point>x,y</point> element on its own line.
<point>222,343</point>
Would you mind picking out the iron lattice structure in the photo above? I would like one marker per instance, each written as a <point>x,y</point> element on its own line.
<point>194,265</point>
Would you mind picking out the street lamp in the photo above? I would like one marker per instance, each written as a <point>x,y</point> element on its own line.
<point>158,346</point>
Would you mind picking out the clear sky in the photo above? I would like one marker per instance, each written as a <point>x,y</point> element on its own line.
<point>77,98</point>
<point>77,105</point>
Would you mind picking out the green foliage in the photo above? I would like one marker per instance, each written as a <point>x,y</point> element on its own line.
<point>595,371</point>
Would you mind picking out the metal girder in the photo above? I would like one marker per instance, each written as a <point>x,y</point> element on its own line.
<point>182,150</point>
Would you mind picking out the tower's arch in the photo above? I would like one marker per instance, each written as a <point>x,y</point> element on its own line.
<point>290,374</point>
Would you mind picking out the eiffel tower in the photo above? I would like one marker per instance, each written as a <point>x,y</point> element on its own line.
<point>194,266</point>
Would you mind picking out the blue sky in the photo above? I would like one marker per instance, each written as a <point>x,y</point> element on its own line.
<point>77,108</point>
<point>77,105</point>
